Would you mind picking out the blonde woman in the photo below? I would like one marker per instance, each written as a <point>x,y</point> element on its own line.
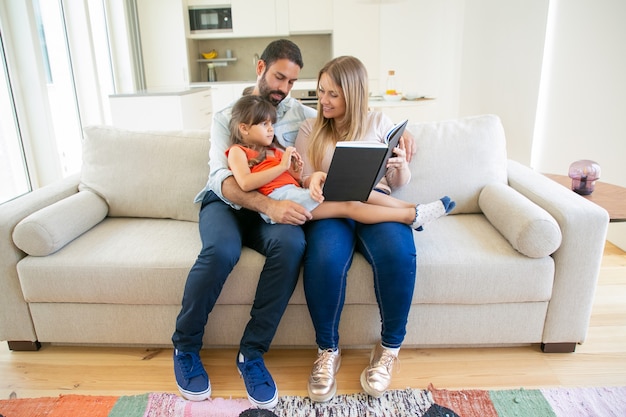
<point>343,115</point>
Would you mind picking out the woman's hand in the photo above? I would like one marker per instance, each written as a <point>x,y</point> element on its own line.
<point>409,145</point>
<point>400,158</point>
<point>316,184</point>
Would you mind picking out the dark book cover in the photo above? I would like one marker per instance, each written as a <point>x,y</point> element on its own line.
<point>357,166</point>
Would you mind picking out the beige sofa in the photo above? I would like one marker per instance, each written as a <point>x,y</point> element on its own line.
<point>102,257</point>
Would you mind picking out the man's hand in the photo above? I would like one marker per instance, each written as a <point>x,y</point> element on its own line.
<point>287,212</point>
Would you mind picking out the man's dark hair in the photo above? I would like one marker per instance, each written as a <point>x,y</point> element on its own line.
<point>282,49</point>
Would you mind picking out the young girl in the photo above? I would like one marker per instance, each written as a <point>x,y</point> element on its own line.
<point>258,164</point>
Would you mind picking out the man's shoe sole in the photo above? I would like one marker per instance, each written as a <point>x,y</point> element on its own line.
<point>267,405</point>
<point>195,396</point>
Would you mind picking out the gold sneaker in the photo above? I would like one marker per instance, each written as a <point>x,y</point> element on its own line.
<point>322,385</point>
<point>375,379</point>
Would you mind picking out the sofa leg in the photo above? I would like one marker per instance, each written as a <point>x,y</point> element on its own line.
<point>24,345</point>
<point>566,347</point>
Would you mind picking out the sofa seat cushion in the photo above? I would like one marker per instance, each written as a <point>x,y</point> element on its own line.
<point>130,261</point>
<point>461,259</point>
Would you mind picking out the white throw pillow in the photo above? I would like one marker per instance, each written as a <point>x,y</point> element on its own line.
<point>146,174</point>
<point>49,229</point>
<point>456,158</point>
<point>530,229</point>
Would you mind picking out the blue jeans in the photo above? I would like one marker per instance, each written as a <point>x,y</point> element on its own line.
<point>388,247</point>
<point>223,231</point>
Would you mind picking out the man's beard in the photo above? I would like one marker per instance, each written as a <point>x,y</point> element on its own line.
<point>270,95</point>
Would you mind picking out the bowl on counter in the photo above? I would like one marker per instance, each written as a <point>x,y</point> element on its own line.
<point>413,96</point>
<point>392,97</point>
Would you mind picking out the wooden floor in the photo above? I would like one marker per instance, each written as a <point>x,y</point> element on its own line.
<point>600,361</point>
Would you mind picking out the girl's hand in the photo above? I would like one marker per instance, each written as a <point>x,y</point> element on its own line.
<point>296,165</point>
<point>316,184</point>
<point>285,161</point>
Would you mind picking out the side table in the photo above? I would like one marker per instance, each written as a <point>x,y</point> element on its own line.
<point>610,197</point>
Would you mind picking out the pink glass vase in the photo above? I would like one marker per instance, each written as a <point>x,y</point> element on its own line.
<point>584,174</point>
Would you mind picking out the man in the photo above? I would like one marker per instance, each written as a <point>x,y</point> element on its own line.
<point>229,218</point>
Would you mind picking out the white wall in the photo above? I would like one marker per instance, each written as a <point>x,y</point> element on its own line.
<point>502,53</point>
<point>421,40</point>
<point>583,105</point>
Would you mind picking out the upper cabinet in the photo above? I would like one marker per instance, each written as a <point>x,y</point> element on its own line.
<point>250,18</point>
<point>310,16</point>
<point>259,18</point>
<point>263,18</point>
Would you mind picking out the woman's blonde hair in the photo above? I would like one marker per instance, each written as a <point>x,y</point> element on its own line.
<point>350,75</point>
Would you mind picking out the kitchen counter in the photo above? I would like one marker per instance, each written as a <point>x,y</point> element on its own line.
<point>165,91</point>
<point>377,103</point>
<point>163,109</point>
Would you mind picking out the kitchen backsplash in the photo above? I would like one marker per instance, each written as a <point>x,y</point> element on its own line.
<point>316,51</point>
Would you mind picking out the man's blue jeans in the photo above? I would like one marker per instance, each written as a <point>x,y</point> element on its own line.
<point>223,231</point>
<point>388,247</point>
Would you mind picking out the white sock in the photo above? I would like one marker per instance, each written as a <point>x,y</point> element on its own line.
<point>393,351</point>
<point>335,351</point>
<point>426,213</point>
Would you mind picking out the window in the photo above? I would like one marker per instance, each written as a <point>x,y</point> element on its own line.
<point>63,106</point>
<point>14,180</point>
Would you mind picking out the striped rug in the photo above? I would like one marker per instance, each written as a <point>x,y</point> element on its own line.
<point>553,402</point>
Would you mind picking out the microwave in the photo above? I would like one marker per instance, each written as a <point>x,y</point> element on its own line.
<point>210,19</point>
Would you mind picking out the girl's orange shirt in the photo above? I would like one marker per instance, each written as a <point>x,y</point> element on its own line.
<point>270,161</point>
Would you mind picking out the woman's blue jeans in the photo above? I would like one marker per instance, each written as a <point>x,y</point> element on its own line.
<point>388,247</point>
<point>223,231</point>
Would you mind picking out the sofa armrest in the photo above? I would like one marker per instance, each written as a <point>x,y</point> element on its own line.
<point>577,261</point>
<point>16,324</point>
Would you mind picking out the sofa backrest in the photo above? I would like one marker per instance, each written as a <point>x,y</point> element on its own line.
<point>456,158</point>
<point>146,174</point>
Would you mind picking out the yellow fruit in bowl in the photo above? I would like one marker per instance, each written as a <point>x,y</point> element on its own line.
<point>212,54</point>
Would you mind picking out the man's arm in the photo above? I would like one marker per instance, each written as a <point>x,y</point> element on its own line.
<point>284,211</point>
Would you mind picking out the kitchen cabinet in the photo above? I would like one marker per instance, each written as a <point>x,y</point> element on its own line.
<point>310,16</point>
<point>252,19</point>
<point>189,108</point>
<point>163,43</point>
<point>222,94</point>
<point>259,18</point>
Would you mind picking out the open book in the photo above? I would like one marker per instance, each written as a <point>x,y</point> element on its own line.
<point>357,166</point>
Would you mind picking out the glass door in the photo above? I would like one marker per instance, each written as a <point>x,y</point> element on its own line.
<point>14,180</point>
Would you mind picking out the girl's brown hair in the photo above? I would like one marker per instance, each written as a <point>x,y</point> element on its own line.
<point>250,110</point>
<point>350,75</point>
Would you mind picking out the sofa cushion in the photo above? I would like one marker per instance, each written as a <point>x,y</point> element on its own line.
<point>49,229</point>
<point>146,174</point>
<point>529,228</point>
<point>456,158</point>
<point>461,260</point>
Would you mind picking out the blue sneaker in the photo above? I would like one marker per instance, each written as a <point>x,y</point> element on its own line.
<point>260,386</point>
<point>191,378</point>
